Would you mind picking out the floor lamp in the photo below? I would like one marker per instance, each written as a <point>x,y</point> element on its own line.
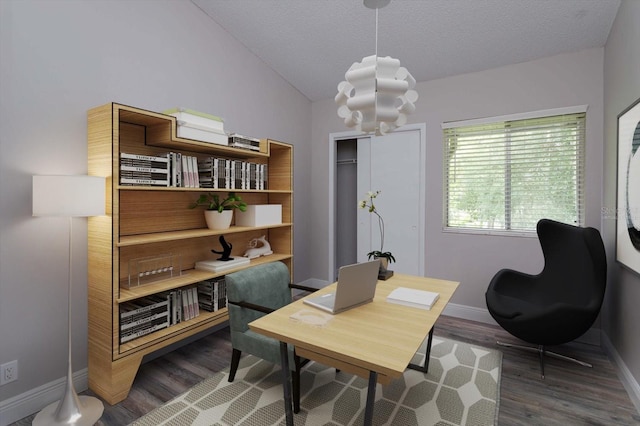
<point>70,196</point>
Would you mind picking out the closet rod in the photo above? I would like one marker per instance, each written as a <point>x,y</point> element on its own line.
<point>348,161</point>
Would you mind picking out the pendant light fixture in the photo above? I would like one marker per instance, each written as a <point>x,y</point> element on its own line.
<point>378,94</point>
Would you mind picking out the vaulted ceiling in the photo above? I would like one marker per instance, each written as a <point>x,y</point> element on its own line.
<point>311,43</point>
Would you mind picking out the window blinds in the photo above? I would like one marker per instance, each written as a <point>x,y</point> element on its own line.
<point>506,175</point>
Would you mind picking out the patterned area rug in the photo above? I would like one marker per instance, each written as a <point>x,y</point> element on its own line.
<point>461,388</point>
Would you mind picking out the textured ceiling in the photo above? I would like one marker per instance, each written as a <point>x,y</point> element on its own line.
<point>311,43</point>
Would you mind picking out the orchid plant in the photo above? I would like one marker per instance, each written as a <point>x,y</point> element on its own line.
<point>369,205</point>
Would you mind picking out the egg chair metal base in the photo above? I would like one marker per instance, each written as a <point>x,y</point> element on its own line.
<point>542,352</point>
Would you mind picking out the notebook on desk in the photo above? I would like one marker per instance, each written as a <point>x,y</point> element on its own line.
<point>356,286</point>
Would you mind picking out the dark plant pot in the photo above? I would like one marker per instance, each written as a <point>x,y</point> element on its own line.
<point>384,273</point>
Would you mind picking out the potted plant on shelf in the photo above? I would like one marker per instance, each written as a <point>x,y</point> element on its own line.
<point>219,212</point>
<point>385,257</point>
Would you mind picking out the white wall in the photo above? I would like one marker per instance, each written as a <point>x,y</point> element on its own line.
<point>621,88</point>
<point>60,58</point>
<point>558,81</point>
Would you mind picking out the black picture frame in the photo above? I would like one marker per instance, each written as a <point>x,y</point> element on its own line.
<point>628,188</point>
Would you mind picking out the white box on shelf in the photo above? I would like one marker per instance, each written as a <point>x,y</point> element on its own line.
<point>201,133</point>
<point>260,215</point>
<point>197,118</point>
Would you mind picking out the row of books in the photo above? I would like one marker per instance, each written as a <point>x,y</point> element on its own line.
<point>186,171</point>
<point>212,294</point>
<point>143,316</point>
<point>222,173</point>
<point>155,312</point>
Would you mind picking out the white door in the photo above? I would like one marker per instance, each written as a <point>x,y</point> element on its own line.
<point>393,164</point>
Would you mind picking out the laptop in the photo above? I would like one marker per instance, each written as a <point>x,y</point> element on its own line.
<point>356,286</point>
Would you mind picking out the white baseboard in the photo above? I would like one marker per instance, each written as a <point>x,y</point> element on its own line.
<point>469,313</point>
<point>591,337</point>
<point>30,402</point>
<point>628,381</point>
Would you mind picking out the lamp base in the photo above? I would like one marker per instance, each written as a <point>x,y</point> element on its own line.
<point>88,413</point>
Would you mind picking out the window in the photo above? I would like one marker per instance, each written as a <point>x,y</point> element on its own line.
<point>506,173</point>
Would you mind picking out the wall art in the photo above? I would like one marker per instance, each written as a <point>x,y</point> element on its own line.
<point>628,196</point>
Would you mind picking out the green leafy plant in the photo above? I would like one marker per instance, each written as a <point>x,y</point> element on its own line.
<point>369,205</point>
<point>212,202</point>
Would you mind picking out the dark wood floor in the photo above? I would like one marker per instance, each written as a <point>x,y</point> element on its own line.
<point>569,395</point>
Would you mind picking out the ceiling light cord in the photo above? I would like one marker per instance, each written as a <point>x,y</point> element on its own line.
<point>376,32</point>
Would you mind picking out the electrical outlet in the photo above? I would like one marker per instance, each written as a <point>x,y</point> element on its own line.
<point>8,372</point>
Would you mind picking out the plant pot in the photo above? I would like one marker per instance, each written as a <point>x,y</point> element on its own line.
<point>383,272</point>
<point>384,264</point>
<point>217,220</point>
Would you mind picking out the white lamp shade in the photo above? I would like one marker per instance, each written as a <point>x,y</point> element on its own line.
<point>68,196</point>
<point>377,95</point>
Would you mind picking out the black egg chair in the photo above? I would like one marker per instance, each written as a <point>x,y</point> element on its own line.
<point>562,302</point>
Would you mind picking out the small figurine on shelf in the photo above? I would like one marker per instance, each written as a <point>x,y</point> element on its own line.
<point>226,250</point>
<point>255,251</point>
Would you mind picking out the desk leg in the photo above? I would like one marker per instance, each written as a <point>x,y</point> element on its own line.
<point>425,367</point>
<point>286,382</point>
<point>371,398</point>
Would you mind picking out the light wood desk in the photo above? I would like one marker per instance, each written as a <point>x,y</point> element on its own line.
<point>375,341</point>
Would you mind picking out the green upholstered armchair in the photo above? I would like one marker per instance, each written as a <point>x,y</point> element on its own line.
<point>253,293</point>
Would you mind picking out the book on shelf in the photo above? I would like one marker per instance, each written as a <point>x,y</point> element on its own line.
<point>232,174</point>
<point>194,301</point>
<point>253,176</point>
<point>201,133</point>
<point>189,299</point>
<point>144,181</point>
<point>141,321</point>
<point>177,179</point>
<point>151,313</point>
<point>222,173</point>
<point>140,331</point>
<point>186,312</point>
<point>220,265</point>
<point>143,316</point>
<point>412,297</point>
<point>194,172</point>
<point>136,169</point>
<point>186,176</point>
<point>263,177</point>
<point>207,169</point>
<point>143,159</point>
<point>176,307</point>
<point>141,306</point>
<point>143,169</point>
<point>196,117</point>
<point>244,142</point>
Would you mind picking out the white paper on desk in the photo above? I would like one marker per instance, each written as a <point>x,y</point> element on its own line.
<point>411,297</point>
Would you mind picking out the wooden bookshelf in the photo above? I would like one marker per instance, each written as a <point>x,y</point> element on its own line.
<point>146,221</point>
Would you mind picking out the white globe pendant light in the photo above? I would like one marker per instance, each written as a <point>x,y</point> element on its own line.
<point>378,94</point>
